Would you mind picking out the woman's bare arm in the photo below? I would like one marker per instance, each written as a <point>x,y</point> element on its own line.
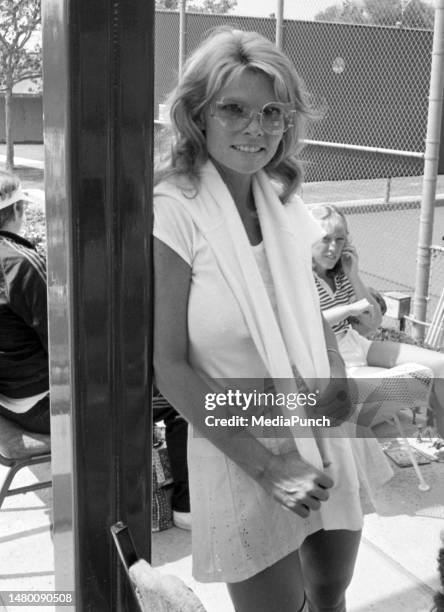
<point>337,393</point>
<point>336,314</point>
<point>175,378</point>
<point>287,478</point>
<point>350,264</point>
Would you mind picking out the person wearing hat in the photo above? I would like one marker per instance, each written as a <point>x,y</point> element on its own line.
<point>24,378</point>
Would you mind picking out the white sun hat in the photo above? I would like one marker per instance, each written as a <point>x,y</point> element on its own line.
<point>36,195</point>
<point>16,196</point>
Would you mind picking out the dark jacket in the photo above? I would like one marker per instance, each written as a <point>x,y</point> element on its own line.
<point>23,318</point>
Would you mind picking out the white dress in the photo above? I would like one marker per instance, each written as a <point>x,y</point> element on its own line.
<point>237,528</point>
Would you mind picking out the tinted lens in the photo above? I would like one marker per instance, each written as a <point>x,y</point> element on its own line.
<point>232,115</point>
<point>274,119</point>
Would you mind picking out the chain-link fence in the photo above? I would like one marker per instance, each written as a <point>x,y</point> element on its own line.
<point>367,66</point>
<point>195,29</point>
<point>436,278</point>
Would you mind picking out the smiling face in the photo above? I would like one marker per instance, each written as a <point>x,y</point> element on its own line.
<point>247,150</point>
<point>328,251</point>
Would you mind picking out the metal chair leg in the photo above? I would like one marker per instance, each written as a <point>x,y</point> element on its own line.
<point>6,491</point>
<point>423,486</point>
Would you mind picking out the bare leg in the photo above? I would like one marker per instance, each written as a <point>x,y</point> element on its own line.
<point>390,354</point>
<point>279,588</point>
<point>328,561</point>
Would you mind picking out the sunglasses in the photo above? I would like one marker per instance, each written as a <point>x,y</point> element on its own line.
<point>324,211</point>
<point>275,118</point>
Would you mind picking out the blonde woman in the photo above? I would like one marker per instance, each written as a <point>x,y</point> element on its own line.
<point>269,517</point>
<point>343,294</point>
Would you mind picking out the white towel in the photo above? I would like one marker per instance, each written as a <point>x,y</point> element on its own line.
<point>297,339</point>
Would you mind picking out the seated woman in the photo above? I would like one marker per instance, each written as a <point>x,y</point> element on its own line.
<point>343,295</point>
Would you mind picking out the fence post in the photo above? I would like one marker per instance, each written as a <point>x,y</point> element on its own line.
<point>280,24</point>
<point>182,34</point>
<point>430,172</point>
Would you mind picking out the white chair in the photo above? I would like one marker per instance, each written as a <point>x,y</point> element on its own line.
<point>382,393</point>
<point>154,591</point>
<point>159,592</point>
<point>434,337</point>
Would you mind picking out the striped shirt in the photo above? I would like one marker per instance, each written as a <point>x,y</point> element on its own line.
<point>343,294</point>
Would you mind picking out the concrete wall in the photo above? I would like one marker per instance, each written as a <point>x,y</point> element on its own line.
<point>27,124</point>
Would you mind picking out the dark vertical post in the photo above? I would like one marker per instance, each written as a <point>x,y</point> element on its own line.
<point>98,110</point>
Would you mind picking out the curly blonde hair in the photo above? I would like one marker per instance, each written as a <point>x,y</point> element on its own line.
<point>223,56</point>
<point>330,218</point>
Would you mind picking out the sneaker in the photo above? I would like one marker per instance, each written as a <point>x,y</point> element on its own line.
<point>182,520</point>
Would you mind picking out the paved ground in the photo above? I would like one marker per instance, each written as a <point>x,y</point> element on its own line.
<point>396,568</point>
<point>28,161</point>
<point>29,151</point>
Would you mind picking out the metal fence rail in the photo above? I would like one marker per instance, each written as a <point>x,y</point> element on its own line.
<point>386,257</point>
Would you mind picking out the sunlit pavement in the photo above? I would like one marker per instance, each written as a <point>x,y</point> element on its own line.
<point>30,152</point>
<point>23,161</point>
<point>26,559</point>
<point>396,568</point>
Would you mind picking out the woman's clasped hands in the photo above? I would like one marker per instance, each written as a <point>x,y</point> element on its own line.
<point>295,484</point>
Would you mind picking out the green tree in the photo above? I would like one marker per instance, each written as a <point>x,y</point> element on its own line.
<point>20,55</point>
<point>419,15</point>
<point>405,13</point>
<point>199,6</point>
